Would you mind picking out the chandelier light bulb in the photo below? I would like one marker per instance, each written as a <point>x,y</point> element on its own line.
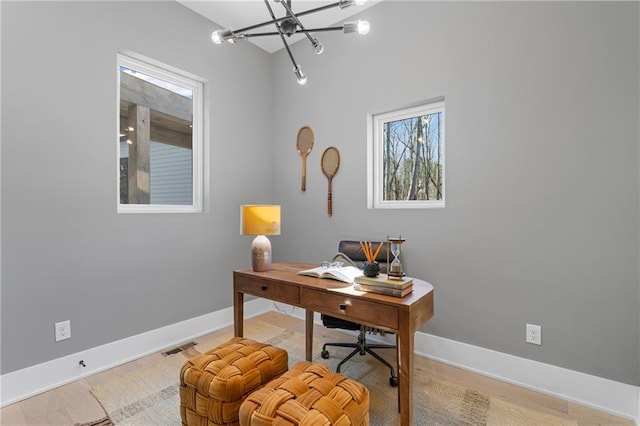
<point>361,27</point>
<point>302,79</point>
<point>216,38</point>
<point>318,48</point>
<point>220,36</point>
<point>347,3</point>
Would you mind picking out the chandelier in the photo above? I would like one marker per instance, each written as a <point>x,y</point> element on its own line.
<point>290,24</point>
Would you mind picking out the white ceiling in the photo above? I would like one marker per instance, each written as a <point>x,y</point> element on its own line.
<point>236,14</point>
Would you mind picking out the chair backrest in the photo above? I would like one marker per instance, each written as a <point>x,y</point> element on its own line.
<point>355,253</point>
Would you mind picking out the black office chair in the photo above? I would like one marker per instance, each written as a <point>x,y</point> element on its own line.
<point>350,251</point>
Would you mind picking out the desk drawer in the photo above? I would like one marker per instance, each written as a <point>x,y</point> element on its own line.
<point>273,291</point>
<point>355,309</point>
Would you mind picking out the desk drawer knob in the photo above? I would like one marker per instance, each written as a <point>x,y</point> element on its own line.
<point>343,307</point>
<point>263,288</point>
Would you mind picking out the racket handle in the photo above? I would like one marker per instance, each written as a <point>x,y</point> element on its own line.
<point>329,205</point>
<point>304,175</point>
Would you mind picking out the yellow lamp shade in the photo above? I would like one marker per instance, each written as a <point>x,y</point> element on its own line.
<point>259,220</point>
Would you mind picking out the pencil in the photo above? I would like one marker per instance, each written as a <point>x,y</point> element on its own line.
<point>367,249</point>
<point>364,249</point>
<point>377,252</point>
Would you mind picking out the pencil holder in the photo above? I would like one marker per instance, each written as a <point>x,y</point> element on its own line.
<point>371,269</point>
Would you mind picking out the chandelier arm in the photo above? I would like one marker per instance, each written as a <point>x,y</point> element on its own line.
<point>272,33</point>
<point>318,9</point>
<point>281,34</point>
<point>314,41</point>
<point>286,46</point>
<point>318,30</point>
<point>297,32</point>
<point>278,20</point>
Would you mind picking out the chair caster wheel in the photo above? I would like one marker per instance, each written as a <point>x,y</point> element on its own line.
<point>393,381</point>
<point>324,354</point>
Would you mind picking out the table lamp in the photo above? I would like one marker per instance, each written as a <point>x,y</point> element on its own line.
<point>260,220</point>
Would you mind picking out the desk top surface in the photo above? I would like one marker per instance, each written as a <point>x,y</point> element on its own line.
<point>288,273</point>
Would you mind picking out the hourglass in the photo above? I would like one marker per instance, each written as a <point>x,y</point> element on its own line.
<point>394,271</point>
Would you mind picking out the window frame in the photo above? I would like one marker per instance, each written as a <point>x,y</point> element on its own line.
<point>199,166</point>
<point>375,157</point>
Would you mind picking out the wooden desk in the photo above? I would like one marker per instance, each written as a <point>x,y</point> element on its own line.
<point>402,316</point>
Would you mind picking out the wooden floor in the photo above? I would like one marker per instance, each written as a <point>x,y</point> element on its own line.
<point>73,403</point>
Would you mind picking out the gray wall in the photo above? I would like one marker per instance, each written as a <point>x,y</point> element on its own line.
<point>541,223</point>
<point>541,219</point>
<point>66,253</point>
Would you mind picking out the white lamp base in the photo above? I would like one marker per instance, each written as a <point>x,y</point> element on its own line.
<point>261,254</point>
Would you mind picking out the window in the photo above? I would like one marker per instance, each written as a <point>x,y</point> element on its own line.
<point>406,158</point>
<point>160,138</point>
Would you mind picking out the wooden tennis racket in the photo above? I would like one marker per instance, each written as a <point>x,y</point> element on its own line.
<point>329,164</point>
<point>304,144</point>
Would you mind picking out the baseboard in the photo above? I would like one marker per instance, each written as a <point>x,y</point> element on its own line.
<point>602,394</point>
<point>606,395</point>
<point>30,381</point>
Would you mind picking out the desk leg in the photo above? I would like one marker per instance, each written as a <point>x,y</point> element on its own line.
<point>405,368</point>
<point>238,313</point>
<point>309,334</point>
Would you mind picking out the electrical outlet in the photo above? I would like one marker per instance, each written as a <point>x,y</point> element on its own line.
<point>63,330</point>
<point>534,334</point>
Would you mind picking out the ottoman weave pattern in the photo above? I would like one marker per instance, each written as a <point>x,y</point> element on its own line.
<point>214,384</point>
<point>308,394</point>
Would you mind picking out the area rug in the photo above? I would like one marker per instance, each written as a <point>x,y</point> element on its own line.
<point>149,396</point>
<point>105,421</point>
<point>146,396</point>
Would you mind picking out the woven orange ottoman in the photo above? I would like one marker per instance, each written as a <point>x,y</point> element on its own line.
<point>214,384</point>
<point>308,394</point>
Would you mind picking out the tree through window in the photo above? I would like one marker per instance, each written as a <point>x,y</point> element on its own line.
<point>408,158</point>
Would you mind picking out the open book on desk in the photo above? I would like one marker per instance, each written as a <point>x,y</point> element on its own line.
<point>341,273</point>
